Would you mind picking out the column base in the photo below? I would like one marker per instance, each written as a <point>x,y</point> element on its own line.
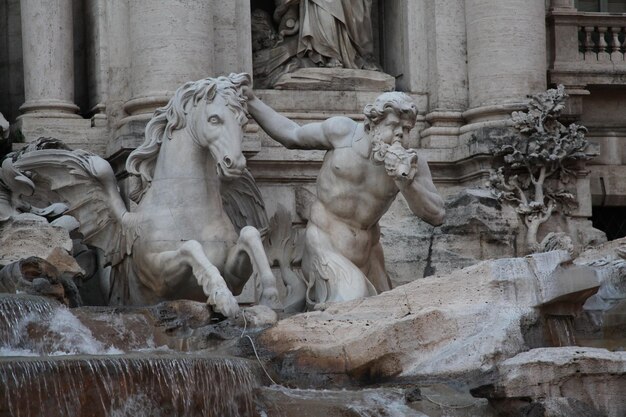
<point>443,131</point>
<point>490,116</point>
<point>76,132</point>
<point>49,108</point>
<point>146,105</point>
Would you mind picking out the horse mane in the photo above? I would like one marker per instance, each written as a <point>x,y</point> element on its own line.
<point>173,116</point>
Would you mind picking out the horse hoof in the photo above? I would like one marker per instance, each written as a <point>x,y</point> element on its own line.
<point>271,299</point>
<point>225,304</point>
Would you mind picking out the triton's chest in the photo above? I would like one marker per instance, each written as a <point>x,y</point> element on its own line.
<point>346,166</point>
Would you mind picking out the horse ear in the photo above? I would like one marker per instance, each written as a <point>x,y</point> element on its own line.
<point>241,79</point>
<point>210,93</point>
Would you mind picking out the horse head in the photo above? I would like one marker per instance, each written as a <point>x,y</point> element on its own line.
<point>213,113</point>
<point>216,122</point>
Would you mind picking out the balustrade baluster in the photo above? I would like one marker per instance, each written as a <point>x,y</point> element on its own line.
<point>589,44</point>
<point>603,54</point>
<point>616,53</point>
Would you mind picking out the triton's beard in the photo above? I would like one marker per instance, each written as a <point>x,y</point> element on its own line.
<point>379,147</point>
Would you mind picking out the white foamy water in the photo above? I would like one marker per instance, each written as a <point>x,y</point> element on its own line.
<point>71,337</point>
<point>6,351</point>
<point>51,331</point>
<point>387,402</point>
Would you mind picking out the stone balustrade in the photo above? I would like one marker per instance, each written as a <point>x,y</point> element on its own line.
<point>587,48</point>
<point>603,43</point>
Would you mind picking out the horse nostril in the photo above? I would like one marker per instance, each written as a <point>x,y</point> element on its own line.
<point>228,162</point>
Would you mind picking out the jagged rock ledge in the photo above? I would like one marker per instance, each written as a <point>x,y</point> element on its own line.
<point>459,326</point>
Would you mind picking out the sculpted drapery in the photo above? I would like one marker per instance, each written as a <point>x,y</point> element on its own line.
<point>311,33</point>
<point>338,29</point>
<point>334,33</point>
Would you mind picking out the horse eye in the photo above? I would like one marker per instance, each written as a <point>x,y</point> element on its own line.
<point>214,119</point>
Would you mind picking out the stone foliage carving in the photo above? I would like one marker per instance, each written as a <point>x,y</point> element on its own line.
<point>311,33</point>
<point>365,167</point>
<point>195,230</point>
<point>538,164</point>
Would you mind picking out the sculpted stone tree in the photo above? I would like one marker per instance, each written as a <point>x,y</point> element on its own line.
<point>538,162</point>
<point>364,168</point>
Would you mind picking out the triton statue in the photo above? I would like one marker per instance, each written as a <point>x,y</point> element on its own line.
<point>365,167</point>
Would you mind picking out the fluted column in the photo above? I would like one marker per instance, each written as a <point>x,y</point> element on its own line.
<point>171,43</point>
<point>47,43</point>
<point>506,49</point>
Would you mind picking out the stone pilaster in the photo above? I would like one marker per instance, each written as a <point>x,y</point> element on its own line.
<point>47,41</point>
<point>506,51</point>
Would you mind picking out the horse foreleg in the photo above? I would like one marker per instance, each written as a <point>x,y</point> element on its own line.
<point>249,249</point>
<point>191,254</point>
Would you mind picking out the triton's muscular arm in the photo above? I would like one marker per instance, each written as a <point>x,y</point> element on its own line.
<point>320,135</point>
<point>422,196</point>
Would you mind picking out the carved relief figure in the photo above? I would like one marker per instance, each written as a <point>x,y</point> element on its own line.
<point>180,241</point>
<point>365,167</point>
<point>322,33</point>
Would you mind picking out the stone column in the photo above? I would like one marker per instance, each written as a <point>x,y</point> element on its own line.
<point>233,43</point>
<point>170,44</point>
<point>506,50</point>
<point>47,44</point>
<point>447,73</point>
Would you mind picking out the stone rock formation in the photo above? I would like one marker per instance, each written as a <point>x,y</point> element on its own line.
<point>456,326</point>
<point>37,276</point>
<point>567,382</point>
<point>30,235</point>
<point>602,322</point>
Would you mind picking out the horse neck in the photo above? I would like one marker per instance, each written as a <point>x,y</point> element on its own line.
<point>183,164</point>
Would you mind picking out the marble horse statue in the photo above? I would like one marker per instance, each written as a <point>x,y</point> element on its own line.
<point>193,231</point>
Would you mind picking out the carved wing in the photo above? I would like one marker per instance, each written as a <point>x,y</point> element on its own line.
<point>243,203</point>
<point>86,183</point>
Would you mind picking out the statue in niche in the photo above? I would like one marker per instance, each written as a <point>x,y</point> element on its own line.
<point>311,33</point>
<point>196,230</point>
<point>365,167</point>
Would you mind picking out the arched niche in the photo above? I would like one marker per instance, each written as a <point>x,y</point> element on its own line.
<point>279,46</point>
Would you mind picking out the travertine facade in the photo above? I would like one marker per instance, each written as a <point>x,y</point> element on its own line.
<point>91,72</point>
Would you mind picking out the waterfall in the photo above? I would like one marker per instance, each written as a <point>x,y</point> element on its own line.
<point>33,326</point>
<point>134,385</point>
<point>15,310</point>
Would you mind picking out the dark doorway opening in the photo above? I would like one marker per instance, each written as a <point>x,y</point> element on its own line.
<point>611,220</point>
